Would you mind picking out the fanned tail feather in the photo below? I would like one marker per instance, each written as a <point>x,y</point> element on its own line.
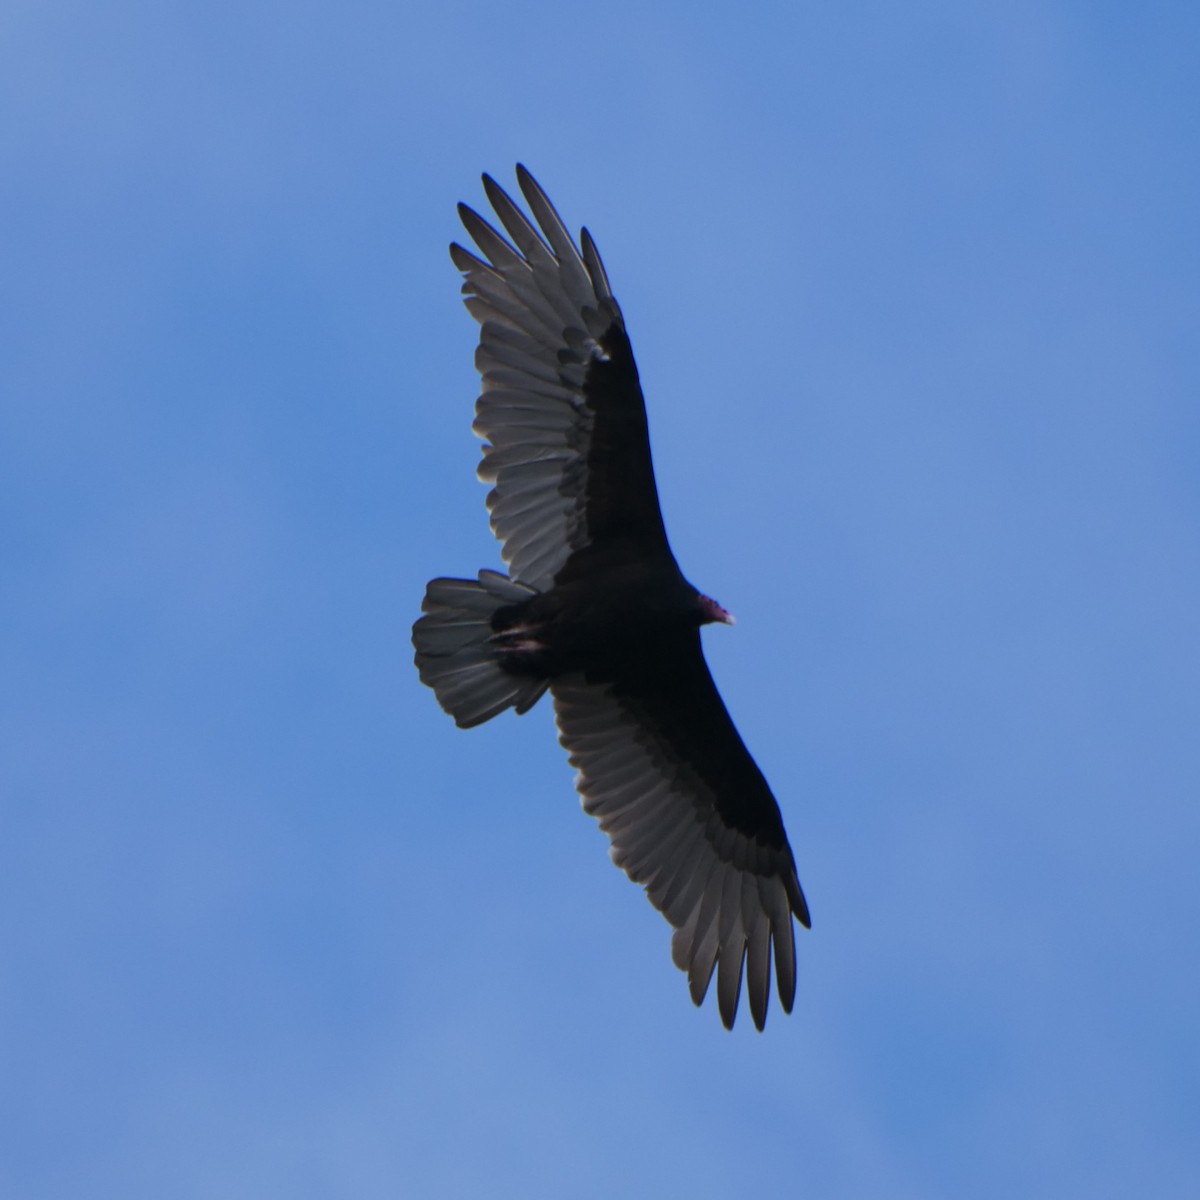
<point>455,652</point>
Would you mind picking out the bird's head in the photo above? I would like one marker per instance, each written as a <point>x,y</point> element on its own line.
<point>711,611</point>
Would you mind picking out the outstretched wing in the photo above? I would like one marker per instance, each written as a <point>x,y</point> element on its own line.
<point>692,818</point>
<point>561,409</point>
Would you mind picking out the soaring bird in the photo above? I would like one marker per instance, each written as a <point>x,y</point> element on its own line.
<point>595,608</point>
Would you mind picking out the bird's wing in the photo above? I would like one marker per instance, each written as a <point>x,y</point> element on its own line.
<point>561,409</point>
<point>690,817</point>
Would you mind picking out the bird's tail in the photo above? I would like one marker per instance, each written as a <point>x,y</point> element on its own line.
<point>457,652</point>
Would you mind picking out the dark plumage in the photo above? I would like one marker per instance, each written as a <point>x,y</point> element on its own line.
<point>597,610</point>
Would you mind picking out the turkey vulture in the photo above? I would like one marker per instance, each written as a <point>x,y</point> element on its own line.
<point>596,610</point>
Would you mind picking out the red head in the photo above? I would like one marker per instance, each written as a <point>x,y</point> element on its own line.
<point>711,611</point>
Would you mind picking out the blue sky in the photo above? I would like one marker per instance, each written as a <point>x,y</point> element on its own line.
<point>914,292</point>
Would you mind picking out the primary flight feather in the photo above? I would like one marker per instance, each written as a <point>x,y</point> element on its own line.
<point>595,609</point>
